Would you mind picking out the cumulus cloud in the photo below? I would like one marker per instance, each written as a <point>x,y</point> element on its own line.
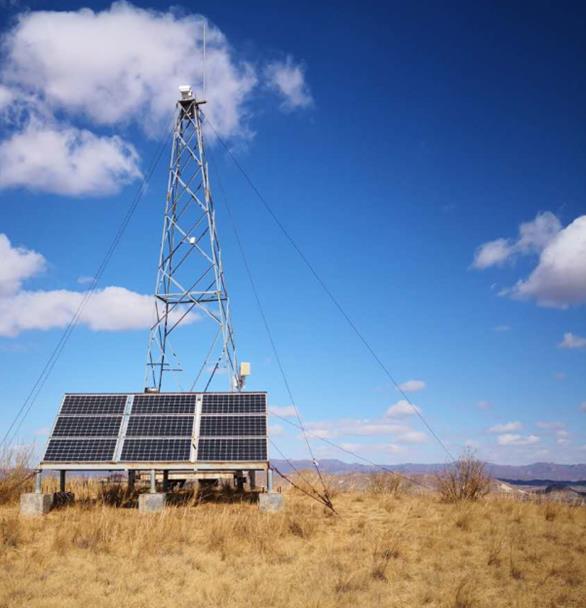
<point>124,64</point>
<point>412,386</point>
<point>559,279</point>
<point>572,341</point>
<point>66,160</point>
<point>16,265</point>
<point>286,411</point>
<point>109,69</point>
<point>402,408</point>
<point>533,237</point>
<point>109,309</point>
<point>484,405</point>
<point>517,440</point>
<point>287,79</point>
<point>506,427</point>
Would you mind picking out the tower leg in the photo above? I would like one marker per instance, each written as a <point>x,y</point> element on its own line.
<point>252,480</point>
<point>165,481</point>
<point>62,475</point>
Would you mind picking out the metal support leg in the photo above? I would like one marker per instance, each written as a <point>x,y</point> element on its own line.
<point>131,480</point>
<point>153,489</point>
<point>62,481</point>
<point>165,481</point>
<point>269,480</point>
<point>252,480</point>
<point>38,481</point>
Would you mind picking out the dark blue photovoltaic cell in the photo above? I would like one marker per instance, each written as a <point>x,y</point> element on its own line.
<point>153,450</point>
<point>80,450</point>
<point>234,403</point>
<point>234,426</point>
<point>87,426</point>
<point>164,404</point>
<point>93,404</point>
<point>160,426</point>
<point>232,449</point>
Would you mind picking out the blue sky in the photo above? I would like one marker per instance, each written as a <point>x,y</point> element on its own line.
<point>428,159</point>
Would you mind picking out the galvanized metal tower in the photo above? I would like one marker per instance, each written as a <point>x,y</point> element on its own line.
<point>190,277</point>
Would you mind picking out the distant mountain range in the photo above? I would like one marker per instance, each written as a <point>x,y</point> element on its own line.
<point>537,471</point>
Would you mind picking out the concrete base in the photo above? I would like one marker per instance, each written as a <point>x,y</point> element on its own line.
<point>151,503</point>
<point>271,502</point>
<point>35,504</point>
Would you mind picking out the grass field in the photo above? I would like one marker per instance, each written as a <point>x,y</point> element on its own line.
<point>380,550</point>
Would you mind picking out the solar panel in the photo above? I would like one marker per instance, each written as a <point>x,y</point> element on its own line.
<point>87,426</point>
<point>156,450</point>
<point>160,426</point>
<point>234,403</point>
<point>238,426</point>
<point>93,404</point>
<point>232,449</point>
<point>80,450</point>
<point>164,404</point>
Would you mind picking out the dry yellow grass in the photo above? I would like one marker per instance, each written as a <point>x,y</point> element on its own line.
<point>381,550</point>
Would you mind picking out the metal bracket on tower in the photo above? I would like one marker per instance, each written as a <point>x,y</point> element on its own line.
<point>190,276</point>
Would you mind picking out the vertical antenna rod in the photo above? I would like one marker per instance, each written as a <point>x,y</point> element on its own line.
<point>190,277</point>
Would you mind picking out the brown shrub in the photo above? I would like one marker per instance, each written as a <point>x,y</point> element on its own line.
<point>465,479</point>
<point>385,483</point>
<point>15,473</point>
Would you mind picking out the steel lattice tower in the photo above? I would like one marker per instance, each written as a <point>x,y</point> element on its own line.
<point>190,277</point>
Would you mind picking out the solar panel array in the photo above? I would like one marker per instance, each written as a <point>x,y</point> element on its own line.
<point>160,427</point>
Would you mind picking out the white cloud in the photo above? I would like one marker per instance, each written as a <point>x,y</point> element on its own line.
<point>288,80</point>
<point>551,425</point>
<point>286,411</point>
<point>124,64</point>
<point>276,430</point>
<point>66,160</point>
<point>517,440</point>
<point>533,237</point>
<point>560,376</point>
<point>493,253</point>
<point>502,328</point>
<point>16,265</point>
<point>506,427</point>
<point>412,437</point>
<point>401,433</point>
<point>402,408</point>
<point>484,405</point>
<point>112,308</point>
<point>559,280</point>
<point>412,386</point>
<point>6,97</point>
<point>572,341</point>
<point>583,406</point>
<point>109,309</point>
<point>562,437</point>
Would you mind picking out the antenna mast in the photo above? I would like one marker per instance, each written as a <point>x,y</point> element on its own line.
<point>190,277</point>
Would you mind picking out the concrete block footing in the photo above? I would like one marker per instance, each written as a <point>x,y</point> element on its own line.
<point>271,502</point>
<point>151,502</point>
<point>35,504</point>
